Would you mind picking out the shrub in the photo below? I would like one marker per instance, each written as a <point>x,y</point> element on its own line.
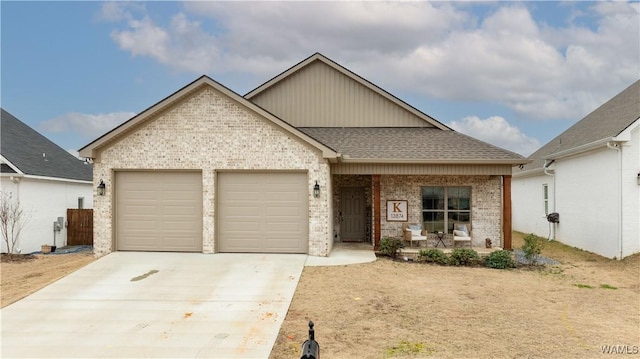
<point>532,247</point>
<point>463,257</point>
<point>500,260</point>
<point>433,256</point>
<point>390,246</point>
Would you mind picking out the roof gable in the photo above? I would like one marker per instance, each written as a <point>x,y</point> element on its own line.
<point>33,154</point>
<point>318,92</point>
<point>600,126</point>
<point>93,149</point>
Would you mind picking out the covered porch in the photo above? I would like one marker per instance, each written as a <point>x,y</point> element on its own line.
<point>364,205</point>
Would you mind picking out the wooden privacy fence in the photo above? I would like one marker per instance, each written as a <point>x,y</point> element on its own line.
<point>79,227</point>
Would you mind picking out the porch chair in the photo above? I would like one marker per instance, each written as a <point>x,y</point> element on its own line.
<point>413,232</point>
<point>461,233</point>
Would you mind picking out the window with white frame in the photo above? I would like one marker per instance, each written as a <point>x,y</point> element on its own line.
<point>545,198</point>
<point>442,207</point>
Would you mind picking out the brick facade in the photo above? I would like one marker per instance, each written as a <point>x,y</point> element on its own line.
<point>209,132</point>
<point>486,203</point>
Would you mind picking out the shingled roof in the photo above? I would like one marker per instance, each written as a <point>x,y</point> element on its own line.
<point>601,125</point>
<point>410,145</point>
<point>35,155</point>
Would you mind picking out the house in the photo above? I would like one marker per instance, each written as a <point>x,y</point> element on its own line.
<point>46,179</point>
<point>590,176</point>
<point>315,155</point>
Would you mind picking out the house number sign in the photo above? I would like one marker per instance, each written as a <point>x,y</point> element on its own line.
<point>397,211</point>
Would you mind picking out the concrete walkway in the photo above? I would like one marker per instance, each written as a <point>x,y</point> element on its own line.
<point>344,254</point>
<point>164,305</point>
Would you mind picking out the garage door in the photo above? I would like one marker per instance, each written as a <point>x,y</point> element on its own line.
<point>266,212</point>
<point>159,211</point>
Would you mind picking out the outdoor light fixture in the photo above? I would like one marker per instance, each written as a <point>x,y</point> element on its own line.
<point>638,177</point>
<point>316,190</point>
<point>101,187</point>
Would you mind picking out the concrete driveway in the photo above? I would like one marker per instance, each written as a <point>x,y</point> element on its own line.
<point>136,304</point>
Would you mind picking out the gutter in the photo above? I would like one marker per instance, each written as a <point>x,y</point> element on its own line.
<point>581,149</point>
<point>618,147</point>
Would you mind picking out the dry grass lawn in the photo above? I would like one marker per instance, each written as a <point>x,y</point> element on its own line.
<point>390,309</point>
<point>24,277</point>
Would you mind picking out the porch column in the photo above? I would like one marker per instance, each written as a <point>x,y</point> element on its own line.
<point>376,212</point>
<point>506,211</point>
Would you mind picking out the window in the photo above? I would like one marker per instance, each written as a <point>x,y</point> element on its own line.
<point>80,202</point>
<point>444,206</point>
<point>545,198</point>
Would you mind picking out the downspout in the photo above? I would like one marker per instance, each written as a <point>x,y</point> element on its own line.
<point>547,172</point>
<point>616,146</point>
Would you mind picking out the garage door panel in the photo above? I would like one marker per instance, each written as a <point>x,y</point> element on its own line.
<point>159,211</point>
<point>262,212</point>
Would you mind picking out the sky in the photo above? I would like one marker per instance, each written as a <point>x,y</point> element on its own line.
<point>513,74</point>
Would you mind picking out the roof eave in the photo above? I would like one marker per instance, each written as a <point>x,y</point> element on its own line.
<point>582,148</point>
<point>512,162</point>
<point>11,165</point>
<point>529,173</point>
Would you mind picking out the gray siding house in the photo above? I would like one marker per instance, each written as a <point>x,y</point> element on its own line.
<point>314,156</point>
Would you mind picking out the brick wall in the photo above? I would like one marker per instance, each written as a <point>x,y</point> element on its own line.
<point>486,203</point>
<point>207,131</point>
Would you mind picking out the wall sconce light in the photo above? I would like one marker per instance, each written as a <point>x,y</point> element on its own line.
<point>316,190</point>
<point>101,188</point>
<point>638,177</point>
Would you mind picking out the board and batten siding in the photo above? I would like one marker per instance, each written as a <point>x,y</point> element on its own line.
<point>419,169</point>
<point>332,100</point>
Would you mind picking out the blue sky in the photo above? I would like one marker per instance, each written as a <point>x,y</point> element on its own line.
<point>514,74</point>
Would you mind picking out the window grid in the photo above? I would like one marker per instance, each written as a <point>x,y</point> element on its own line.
<point>444,206</point>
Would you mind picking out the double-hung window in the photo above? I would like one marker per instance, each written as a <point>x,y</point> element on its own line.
<point>442,207</point>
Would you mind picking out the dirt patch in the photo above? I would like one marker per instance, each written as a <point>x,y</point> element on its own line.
<point>25,274</point>
<point>389,309</point>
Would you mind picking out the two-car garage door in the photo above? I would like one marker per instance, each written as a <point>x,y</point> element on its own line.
<point>265,212</point>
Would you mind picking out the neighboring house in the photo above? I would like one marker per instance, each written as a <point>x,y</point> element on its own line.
<point>46,180</point>
<point>308,158</point>
<point>590,176</point>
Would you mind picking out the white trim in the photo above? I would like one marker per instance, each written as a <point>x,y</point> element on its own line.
<point>45,178</point>
<point>11,165</point>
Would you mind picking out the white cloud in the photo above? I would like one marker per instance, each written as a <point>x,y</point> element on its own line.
<point>497,131</point>
<point>438,49</point>
<point>87,125</point>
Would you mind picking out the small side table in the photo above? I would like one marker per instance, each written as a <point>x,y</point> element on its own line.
<point>440,236</point>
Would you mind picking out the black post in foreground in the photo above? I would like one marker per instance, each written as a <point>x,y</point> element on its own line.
<point>310,348</point>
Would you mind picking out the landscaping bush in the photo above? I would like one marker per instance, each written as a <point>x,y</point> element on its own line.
<point>500,260</point>
<point>390,246</point>
<point>433,256</point>
<point>532,247</point>
<point>464,257</point>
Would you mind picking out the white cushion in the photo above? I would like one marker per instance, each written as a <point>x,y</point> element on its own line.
<point>415,226</point>
<point>415,232</point>
<point>458,233</point>
<point>462,228</point>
